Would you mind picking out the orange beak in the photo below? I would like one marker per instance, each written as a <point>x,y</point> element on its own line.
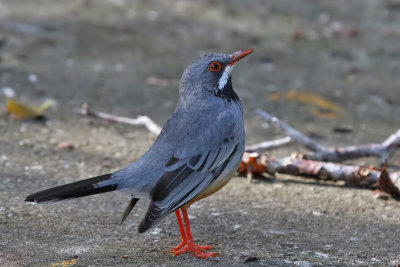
<point>239,55</point>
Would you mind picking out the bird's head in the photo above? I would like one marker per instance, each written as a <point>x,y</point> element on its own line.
<point>211,74</point>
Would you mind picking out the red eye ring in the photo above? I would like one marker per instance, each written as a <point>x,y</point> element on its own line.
<point>215,66</point>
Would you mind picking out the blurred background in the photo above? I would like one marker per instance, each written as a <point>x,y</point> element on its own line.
<point>126,57</point>
<point>329,68</point>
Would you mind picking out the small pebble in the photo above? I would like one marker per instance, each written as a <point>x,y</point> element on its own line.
<point>33,78</point>
<point>316,213</point>
<point>250,259</point>
<point>303,263</point>
<point>321,255</point>
<point>66,145</point>
<point>155,231</point>
<point>36,167</point>
<point>236,226</point>
<point>8,92</point>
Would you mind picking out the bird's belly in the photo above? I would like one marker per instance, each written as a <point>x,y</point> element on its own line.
<point>216,185</point>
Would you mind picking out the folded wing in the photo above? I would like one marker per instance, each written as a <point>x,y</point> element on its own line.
<point>194,165</point>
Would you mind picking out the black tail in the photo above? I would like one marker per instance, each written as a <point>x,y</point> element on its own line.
<point>74,190</point>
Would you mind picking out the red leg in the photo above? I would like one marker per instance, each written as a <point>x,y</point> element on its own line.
<point>190,246</point>
<point>189,234</point>
<point>181,230</point>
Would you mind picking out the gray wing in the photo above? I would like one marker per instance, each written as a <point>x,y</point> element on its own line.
<point>200,157</point>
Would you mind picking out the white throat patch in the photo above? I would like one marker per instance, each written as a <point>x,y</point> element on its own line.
<point>225,77</point>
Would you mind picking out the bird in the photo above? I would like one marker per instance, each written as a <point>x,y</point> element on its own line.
<point>196,153</point>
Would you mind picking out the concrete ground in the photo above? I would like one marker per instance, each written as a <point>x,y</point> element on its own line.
<point>108,54</point>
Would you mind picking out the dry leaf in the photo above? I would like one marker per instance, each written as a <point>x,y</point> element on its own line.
<point>386,185</point>
<point>319,106</point>
<point>253,163</point>
<point>64,263</point>
<point>66,145</point>
<point>24,111</point>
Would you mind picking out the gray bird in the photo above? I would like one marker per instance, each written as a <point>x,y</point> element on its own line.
<point>197,152</point>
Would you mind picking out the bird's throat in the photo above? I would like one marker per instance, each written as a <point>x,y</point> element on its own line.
<point>227,92</point>
<point>226,75</point>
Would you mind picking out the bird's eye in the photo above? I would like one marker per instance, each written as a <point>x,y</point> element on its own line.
<point>215,66</point>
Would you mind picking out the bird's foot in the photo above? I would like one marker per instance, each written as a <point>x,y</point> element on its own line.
<point>187,243</point>
<point>178,247</point>
<point>183,243</point>
<point>193,248</point>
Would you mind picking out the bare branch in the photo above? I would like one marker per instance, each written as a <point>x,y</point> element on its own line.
<point>296,136</point>
<point>382,150</point>
<point>352,152</point>
<point>269,145</point>
<point>140,120</point>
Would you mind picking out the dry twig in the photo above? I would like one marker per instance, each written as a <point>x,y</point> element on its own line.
<point>254,163</point>
<point>140,120</point>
